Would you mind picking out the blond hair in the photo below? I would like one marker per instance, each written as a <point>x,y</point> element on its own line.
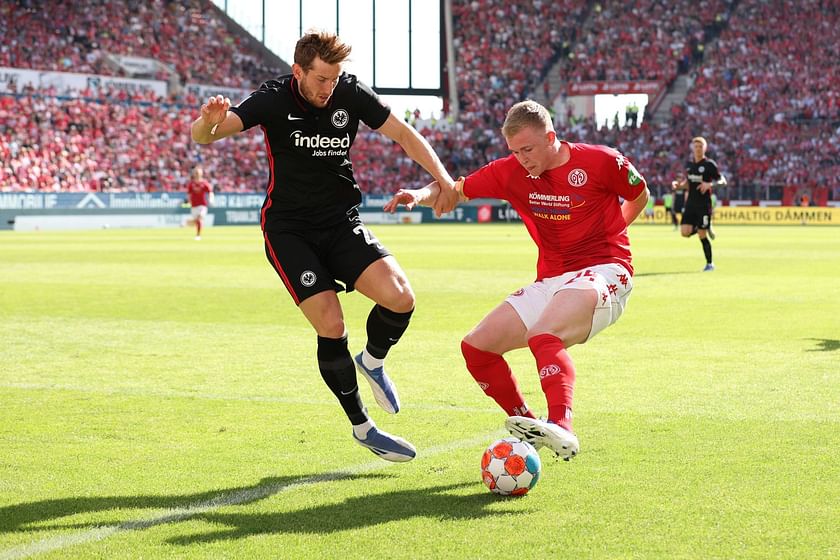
<point>701,140</point>
<point>322,44</point>
<point>526,114</point>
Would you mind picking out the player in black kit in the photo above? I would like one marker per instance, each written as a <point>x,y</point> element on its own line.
<point>701,174</point>
<point>314,237</point>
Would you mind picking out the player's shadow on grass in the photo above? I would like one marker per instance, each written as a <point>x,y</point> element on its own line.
<point>37,515</point>
<point>437,502</point>
<point>825,345</point>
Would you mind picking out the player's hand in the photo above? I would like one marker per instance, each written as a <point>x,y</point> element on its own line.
<point>215,110</point>
<point>446,200</point>
<point>405,197</point>
<point>704,187</point>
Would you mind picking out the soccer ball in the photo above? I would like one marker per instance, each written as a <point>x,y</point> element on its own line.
<point>510,467</point>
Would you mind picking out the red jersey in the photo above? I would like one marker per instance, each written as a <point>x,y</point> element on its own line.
<point>199,193</point>
<point>572,212</point>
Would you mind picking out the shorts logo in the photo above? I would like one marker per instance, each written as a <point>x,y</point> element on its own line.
<point>308,278</point>
<point>340,118</point>
<point>518,292</point>
<point>551,369</point>
<point>577,177</point>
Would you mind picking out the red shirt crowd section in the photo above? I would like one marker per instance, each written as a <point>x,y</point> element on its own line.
<point>643,40</point>
<point>766,101</point>
<point>50,144</point>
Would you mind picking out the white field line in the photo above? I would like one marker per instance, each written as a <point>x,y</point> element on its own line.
<point>222,500</point>
<point>143,392</point>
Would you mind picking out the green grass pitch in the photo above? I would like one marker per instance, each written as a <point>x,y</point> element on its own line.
<point>159,398</point>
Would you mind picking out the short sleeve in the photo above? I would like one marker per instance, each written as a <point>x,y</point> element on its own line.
<point>372,111</point>
<point>257,108</point>
<point>622,177</point>
<point>487,182</point>
<point>711,173</point>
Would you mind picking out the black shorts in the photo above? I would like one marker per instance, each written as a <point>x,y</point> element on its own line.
<point>310,261</point>
<point>697,213</point>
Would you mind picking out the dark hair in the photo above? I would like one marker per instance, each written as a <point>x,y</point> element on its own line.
<point>326,46</point>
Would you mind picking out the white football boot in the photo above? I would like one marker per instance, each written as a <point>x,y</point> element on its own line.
<point>541,433</point>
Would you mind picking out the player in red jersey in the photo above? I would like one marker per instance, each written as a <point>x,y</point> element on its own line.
<point>568,197</point>
<point>200,194</point>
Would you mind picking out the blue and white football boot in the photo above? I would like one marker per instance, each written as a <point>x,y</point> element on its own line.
<point>387,446</point>
<point>384,391</point>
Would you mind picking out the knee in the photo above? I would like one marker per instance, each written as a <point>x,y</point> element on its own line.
<point>332,327</point>
<point>474,356</point>
<point>403,300</point>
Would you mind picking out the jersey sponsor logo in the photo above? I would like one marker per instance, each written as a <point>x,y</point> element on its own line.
<point>308,278</point>
<point>577,177</point>
<point>550,369</point>
<point>322,146</point>
<point>291,117</point>
<point>340,118</point>
<point>557,207</point>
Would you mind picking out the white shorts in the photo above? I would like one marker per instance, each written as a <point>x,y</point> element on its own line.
<point>612,282</point>
<point>198,211</point>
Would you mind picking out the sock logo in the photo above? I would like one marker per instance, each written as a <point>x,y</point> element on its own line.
<point>550,369</point>
<point>520,410</point>
<point>484,386</point>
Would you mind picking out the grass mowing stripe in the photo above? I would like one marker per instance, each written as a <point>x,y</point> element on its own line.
<point>223,500</point>
<point>143,392</point>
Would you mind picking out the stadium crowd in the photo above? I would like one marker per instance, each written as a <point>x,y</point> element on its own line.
<point>644,40</point>
<point>764,100</point>
<point>74,36</point>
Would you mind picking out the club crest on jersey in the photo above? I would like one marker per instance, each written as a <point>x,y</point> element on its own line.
<point>308,278</point>
<point>577,177</point>
<point>340,118</point>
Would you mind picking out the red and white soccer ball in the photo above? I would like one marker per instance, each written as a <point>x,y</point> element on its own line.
<point>510,467</point>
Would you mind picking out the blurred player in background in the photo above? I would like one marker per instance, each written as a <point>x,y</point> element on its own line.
<point>568,197</point>
<point>200,195</point>
<point>670,213</point>
<point>701,174</point>
<point>314,237</point>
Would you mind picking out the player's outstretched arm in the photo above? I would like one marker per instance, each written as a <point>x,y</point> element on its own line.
<point>215,121</point>
<point>425,196</point>
<point>418,149</point>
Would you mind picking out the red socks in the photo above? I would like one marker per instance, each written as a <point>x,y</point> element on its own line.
<point>493,375</point>
<point>557,377</point>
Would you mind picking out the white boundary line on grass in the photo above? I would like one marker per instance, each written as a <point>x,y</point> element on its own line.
<point>222,500</point>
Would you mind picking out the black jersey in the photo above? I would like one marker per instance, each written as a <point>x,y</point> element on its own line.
<point>703,171</point>
<point>310,181</point>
